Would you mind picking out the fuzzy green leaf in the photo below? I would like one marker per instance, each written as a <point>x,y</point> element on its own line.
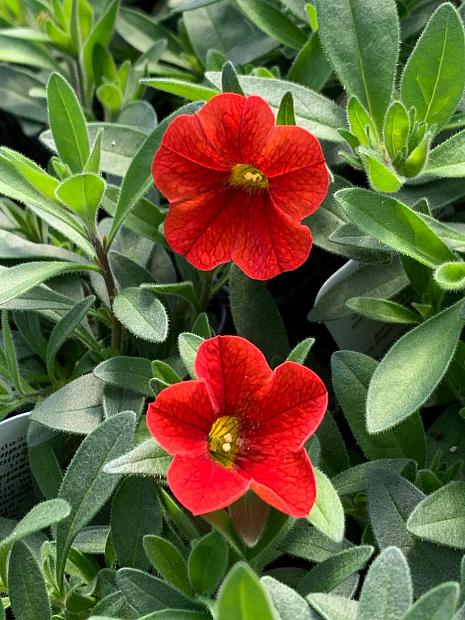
<point>365,69</point>
<point>440,517</point>
<point>412,369</point>
<point>142,313</point>
<point>434,76</point>
<point>85,486</point>
<point>67,123</point>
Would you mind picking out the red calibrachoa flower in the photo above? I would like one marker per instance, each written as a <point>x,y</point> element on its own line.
<point>239,186</point>
<point>240,426</point>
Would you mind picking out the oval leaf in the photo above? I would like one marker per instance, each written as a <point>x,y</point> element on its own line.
<point>142,313</point>
<point>412,369</point>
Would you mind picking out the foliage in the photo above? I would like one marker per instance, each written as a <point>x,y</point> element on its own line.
<point>99,315</point>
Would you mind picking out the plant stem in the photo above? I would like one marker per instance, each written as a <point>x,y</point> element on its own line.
<point>206,291</point>
<point>102,257</point>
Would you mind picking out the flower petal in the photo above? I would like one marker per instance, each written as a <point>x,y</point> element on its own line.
<point>179,178</point>
<point>285,482</point>
<point>202,486</point>
<point>270,242</point>
<point>186,137</point>
<point>290,148</point>
<point>200,229</point>
<point>301,192</point>
<point>238,127</point>
<point>294,163</point>
<point>181,417</point>
<point>234,370</point>
<point>289,409</point>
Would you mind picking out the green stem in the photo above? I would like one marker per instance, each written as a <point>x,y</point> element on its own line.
<point>102,257</point>
<point>206,290</point>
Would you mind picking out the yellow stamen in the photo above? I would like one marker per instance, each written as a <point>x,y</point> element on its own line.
<point>222,440</point>
<point>247,177</point>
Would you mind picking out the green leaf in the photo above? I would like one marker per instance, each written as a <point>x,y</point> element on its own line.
<point>85,486</point>
<point>21,278</point>
<point>74,408</point>
<point>123,371</point>
<point>119,145</point>
<point>67,123</point>
<point>14,246</point>
<point>241,42</point>
<point>82,194</point>
<point>242,597</point>
<point>142,313</point>
<point>27,590</point>
<point>327,514</point>
<point>11,356</point>
<point>352,373</point>
<point>46,469</point>
<point>300,352</point>
<point>394,224</point>
<point>142,32</point>
<point>383,310</point>
<point>15,88</point>
<point>396,128</point>
<point>185,290</point>
<point>146,459</point>
<point>366,70</point>
<point>387,590</point>
<point>368,280</point>
<point>327,575</point>
<point>188,90</point>
<point>273,22</point>
<point>451,276</point>
<point>412,369</point>
<point>135,514</point>
<point>168,562</point>
<point>110,96</point>
<point>311,67</point>
<point>23,52</point>
<point>434,77</point>
<point>437,604</point>
<point>448,158</point>
<point>138,178</point>
<point>39,518</point>
<point>312,111</point>
<point>14,184</point>
<point>380,176</point>
<point>256,315</point>
<point>391,499</point>
<point>63,330</point>
<point>333,607</point>
<point>230,80</point>
<point>188,345</point>
<point>416,161</point>
<point>287,602</point>
<point>95,155</point>
<point>355,479</point>
<point>207,563</point>
<point>360,122</point>
<point>101,34</point>
<point>147,594</point>
<point>286,114</point>
<point>117,399</point>
<point>440,517</point>
<point>127,272</point>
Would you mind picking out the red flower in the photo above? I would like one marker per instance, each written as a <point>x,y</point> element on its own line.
<point>240,426</point>
<point>239,185</point>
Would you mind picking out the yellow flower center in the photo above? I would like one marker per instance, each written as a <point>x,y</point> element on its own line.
<point>245,176</point>
<point>222,440</point>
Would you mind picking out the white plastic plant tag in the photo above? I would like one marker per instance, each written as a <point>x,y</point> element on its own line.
<point>355,332</point>
<point>15,475</point>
